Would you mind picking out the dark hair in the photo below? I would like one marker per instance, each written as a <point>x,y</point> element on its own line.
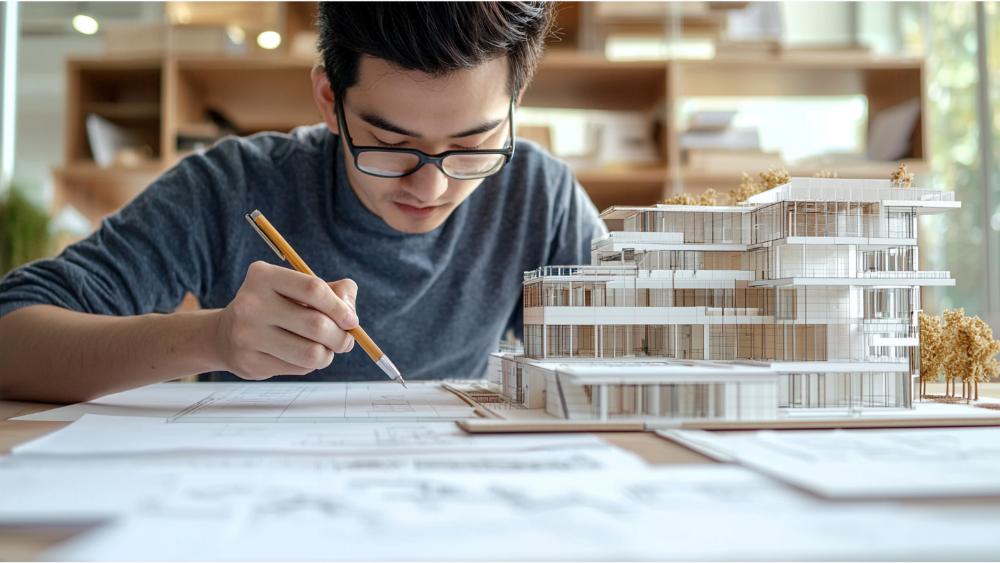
<point>436,38</point>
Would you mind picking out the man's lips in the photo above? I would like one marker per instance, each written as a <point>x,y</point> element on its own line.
<point>416,212</point>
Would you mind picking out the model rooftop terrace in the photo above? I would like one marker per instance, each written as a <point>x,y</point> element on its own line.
<point>816,189</point>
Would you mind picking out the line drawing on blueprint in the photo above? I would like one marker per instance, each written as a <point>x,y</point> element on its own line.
<point>268,402</point>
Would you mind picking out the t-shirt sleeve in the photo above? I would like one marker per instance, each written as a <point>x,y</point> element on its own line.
<point>169,240</point>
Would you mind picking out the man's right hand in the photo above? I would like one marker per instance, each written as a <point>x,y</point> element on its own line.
<point>284,322</point>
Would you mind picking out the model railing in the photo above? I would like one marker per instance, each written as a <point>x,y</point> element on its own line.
<point>742,275</point>
<point>546,271</point>
<point>841,273</point>
<point>512,347</point>
<point>832,189</point>
<point>925,275</point>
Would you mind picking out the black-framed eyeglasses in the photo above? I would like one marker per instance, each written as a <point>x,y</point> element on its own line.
<point>395,163</point>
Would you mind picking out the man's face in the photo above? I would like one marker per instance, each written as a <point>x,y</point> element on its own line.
<point>389,107</point>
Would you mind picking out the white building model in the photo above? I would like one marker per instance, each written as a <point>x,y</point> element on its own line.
<point>803,297</point>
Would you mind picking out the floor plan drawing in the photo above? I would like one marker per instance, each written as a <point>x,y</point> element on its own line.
<point>327,402</point>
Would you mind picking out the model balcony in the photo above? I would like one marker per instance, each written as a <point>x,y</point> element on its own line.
<point>612,241</point>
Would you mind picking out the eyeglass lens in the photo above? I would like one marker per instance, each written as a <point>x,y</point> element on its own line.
<point>456,165</point>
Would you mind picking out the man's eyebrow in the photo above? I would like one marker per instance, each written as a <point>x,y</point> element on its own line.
<point>483,128</point>
<point>380,122</point>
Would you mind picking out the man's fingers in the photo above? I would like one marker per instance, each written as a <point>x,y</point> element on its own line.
<point>294,349</point>
<point>258,366</point>
<point>310,324</point>
<point>313,292</point>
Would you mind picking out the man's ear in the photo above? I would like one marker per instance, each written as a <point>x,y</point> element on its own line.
<point>325,99</point>
<point>520,95</point>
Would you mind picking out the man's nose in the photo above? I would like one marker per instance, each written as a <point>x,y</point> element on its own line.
<point>426,184</point>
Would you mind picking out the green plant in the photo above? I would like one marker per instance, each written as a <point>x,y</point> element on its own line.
<point>24,231</point>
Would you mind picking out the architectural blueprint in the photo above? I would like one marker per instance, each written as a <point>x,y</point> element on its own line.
<point>680,513</point>
<point>95,488</point>
<point>104,435</point>
<point>912,463</point>
<point>274,402</point>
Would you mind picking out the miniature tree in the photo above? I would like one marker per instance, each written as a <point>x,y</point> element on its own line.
<point>931,352</point>
<point>825,174</point>
<point>774,178</point>
<point>709,198</point>
<point>768,180</point>
<point>955,359</point>
<point>983,354</point>
<point>969,352</point>
<point>901,178</point>
<point>747,188</point>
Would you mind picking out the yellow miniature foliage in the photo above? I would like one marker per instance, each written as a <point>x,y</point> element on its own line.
<point>747,188</point>
<point>774,178</point>
<point>956,344</point>
<point>983,354</point>
<point>825,174</point>
<point>931,340</point>
<point>969,351</point>
<point>901,178</point>
<point>709,198</point>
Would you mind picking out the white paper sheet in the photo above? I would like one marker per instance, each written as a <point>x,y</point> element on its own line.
<point>162,400</point>
<point>680,513</point>
<point>913,463</point>
<point>74,489</point>
<point>274,402</point>
<point>95,434</point>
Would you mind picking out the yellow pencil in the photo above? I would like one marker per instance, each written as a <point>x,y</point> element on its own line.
<point>285,252</point>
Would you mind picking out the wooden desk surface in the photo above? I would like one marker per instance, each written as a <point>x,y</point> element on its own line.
<point>26,543</point>
<point>22,543</point>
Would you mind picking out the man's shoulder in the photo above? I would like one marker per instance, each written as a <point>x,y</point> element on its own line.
<point>530,160</point>
<point>272,147</point>
<point>535,175</point>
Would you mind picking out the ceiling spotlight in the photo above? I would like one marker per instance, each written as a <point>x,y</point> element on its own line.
<point>269,40</point>
<point>85,24</point>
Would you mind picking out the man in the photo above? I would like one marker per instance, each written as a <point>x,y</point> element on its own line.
<point>385,193</point>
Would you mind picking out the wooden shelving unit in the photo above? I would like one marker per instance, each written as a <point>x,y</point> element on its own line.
<point>570,79</point>
<point>162,96</point>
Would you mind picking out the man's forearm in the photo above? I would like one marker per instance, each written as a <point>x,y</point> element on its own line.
<point>50,354</point>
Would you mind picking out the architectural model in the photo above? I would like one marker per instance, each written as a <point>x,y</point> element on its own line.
<point>804,296</point>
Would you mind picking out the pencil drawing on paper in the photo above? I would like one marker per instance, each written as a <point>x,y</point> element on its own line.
<point>804,296</point>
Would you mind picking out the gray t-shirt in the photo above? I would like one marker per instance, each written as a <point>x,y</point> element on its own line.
<point>436,303</point>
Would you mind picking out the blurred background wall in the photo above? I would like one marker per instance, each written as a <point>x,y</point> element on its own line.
<point>645,100</point>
